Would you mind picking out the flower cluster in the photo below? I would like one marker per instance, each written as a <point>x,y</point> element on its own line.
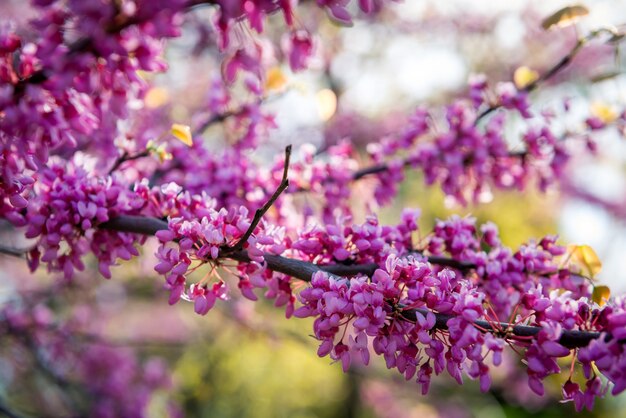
<point>277,286</point>
<point>462,146</point>
<point>227,176</point>
<point>199,240</point>
<point>330,177</point>
<point>63,90</point>
<point>606,353</point>
<point>461,152</point>
<point>255,11</point>
<point>424,320</point>
<point>115,381</point>
<point>204,239</point>
<point>503,274</point>
<point>369,242</point>
<point>64,215</point>
<point>383,311</point>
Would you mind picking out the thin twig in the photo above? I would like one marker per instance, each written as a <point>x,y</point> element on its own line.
<point>260,212</point>
<point>569,338</point>
<point>560,65</point>
<point>556,68</point>
<point>15,252</point>
<point>381,168</point>
<point>218,117</point>
<point>221,117</point>
<point>136,224</point>
<point>127,157</point>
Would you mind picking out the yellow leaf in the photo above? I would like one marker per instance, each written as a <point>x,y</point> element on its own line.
<point>326,103</point>
<point>156,97</point>
<point>601,294</point>
<point>564,17</point>
<point>182,133</point>
<point>586,258</point>
<point>524,76</point>
<point>604,112</point>
<point>275,79</point>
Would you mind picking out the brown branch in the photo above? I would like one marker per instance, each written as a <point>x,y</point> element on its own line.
<point>135,224</point>
<point>127,157</point>
<point>374,169</point>
<point>369,268</point>
<point>569,338</point>
<point>304,270</point>
<point>221,117</point>
<point>381,168</point>
<point>217,118</point>
<point>556,68</point>
<point>258,215</point>
<point>14,252</point>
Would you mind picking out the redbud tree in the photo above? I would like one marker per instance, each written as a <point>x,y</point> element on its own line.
<point>98,170</point>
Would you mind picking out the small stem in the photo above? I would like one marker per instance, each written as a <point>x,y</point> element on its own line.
<point>555,69</point>
<point>14,252</point>
<point>127,157</point>
<point>219,117</point>
<point>258,215</point>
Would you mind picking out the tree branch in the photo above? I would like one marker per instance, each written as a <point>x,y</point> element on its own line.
<point>556,68</point>
<point>221,117</point>
<point>15,252</point>
<point>304,270</point>
<point>381,168</point>
<point>135,224</point>
<point>258,215</point>
<point>127,157</point>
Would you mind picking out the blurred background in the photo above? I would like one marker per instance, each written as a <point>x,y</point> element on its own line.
<point>245,359</point>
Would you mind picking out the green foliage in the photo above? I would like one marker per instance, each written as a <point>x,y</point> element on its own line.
<point>240,372</point>
<point>519,217</point>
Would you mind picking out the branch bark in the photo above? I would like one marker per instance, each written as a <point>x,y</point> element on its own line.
<point>304,270</point>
